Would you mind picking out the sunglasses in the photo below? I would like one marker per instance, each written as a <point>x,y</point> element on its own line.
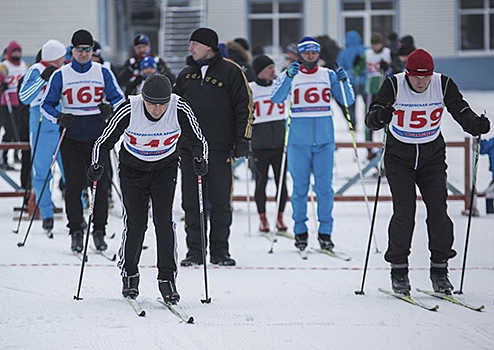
<point>81,49</point>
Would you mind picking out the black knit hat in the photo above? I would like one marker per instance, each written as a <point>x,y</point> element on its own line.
<point>205,36</point>
<point>82,37</point>
<point>157,89</point>
<point>261,62</point>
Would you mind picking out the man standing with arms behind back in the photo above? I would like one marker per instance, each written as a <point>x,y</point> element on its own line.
<point>218,92</point>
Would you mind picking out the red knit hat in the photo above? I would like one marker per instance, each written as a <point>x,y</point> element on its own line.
<point>419,63</point>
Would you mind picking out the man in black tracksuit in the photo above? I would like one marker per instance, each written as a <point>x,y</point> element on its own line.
<point>152,123</point>
<point>412,103</point>
<point>220,97</point>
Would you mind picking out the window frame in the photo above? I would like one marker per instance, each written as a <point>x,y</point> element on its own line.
<point>486,13</point>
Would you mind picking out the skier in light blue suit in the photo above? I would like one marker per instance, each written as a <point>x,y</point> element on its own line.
<point>311,142</point>
<point>31,93</point>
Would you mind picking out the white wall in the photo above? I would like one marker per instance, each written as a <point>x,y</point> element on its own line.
<point>227,18</point>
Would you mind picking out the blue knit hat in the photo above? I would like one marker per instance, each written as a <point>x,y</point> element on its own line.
<point>308,43</point>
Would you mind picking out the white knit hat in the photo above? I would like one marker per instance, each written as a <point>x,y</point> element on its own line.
<point>52,50</point>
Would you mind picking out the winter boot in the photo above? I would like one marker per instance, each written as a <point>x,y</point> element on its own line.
<point>301,240</point>
<point>168,291</point>
<point>325,242</point>
<point>280,224</point>
<point>191,260</point>
<point>48,224</point>
<point>263,225</point>
<point>399,279</point>
<point>222,260</point>
<point>440,280</point>
<point>99,240</point>
<point>77,241</point>
<point>130,288</point>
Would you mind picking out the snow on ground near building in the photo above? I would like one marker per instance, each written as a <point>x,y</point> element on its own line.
<point>268,301</point>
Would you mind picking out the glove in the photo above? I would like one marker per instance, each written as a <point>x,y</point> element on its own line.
<point>133,65</point>
<point>386,114</point>
<point>65,120</point>
<point>341,74</point>
<point>200,166</point>
<point>4,87</point>
<point>383,66</point>
<point>481,125</point>
<point>106,110</point>
<point>242,149</point>
<point>95,172</point>
<point>293,69</point>
<point>48,72</point>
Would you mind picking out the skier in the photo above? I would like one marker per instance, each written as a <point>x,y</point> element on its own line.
<point>152,123</point>
<point>311,143</point>
<point>412,103</point>
<point>81,86</point>
<point>268,136</point>
<point>47,133</point>
<point>219,94</point>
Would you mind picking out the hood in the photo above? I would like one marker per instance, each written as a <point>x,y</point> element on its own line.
<point>352,38</point>
<point>13,45</point>
<point>237,52</point>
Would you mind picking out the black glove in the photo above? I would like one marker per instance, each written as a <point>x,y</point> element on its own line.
<point>386,114</point>
<point>65,120</point>
<point>48,72</point>
<point>133,65</point>
<point>242,149</point>
<point>95,172</point>
<point>481,125</point>
<point>383,66</point>
<point>200,166</point>
<point>106,110</point>
<point>4,87</point>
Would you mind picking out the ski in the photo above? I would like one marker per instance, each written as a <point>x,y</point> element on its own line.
<point>333,254</point>
<point>136,306</point>
<point>104,254</point>
<point>79,255</point>
<point>284,234</point>
<point>451,298</point>
<point>181,315</point>
<point>268,235</point>
<point>409,299</point>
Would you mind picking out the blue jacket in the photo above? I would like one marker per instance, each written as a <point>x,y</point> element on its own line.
<point>487,147</point>
<point>346,57</point>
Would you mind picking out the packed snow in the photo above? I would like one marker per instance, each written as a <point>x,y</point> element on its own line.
<point>267,301</point>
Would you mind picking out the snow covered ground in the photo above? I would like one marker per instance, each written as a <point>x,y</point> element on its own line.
<point>268,301</point>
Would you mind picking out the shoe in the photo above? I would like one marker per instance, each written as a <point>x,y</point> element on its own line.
<point>399,280</point>
<point>99,240</point>
<point>280,224</point>
<point>222,260</point>
<point>168,291</point>
<point>191,260</point>
<point>440,280</point>
<point>325,242</point>
<point>301,240</point>
<point>263,225</point>
<point>77,243</point>
<point>130,286</point>
<point>48,224</point>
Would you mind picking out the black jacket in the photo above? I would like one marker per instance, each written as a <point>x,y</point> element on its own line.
<point>222,101</point>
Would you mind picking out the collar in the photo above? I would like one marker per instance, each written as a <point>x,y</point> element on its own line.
<point>309,71</point>
<point>81,67</point>
<point>44,63</point>
<point>264,82</point>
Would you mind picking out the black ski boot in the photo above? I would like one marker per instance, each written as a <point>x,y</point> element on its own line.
<point>325,242</point>
<point>399,280</point>
<point>301,241</point>
<point>168,292</point>
<point>77,241</point>
<point>440,280</point>
<point>223,260</point>
<point>48,224</point>
<point>99,240</point>
<point>191,260</point>
<point>130,287</point>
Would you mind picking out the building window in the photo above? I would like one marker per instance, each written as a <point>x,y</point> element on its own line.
<point>367,16</point>
<point>476,25</point>
<point>275,24</point>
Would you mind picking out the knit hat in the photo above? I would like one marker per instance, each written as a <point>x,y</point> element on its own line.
<point>148,62</point>
<point>308,43</point>
<point>419,63</point>
<point>261,62</point>
<point>157,89</point>
<point>82,37</point>
<point>52,50</point>
<point>141,39</point>
<point>292,48</point>
<point>96,49</point>
<point>243,42</point>
<point>205,36</point>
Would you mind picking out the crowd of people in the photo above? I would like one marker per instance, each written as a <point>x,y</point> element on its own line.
<point>228,104</point>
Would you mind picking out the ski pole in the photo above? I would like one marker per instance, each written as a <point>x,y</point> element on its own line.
<point>474,180</point>
<point>21,244</point>
<point>91,209</point>
<point>203,238</point>
<point>30,171</point>
<point>371,233</point>
<point>352,133</point>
